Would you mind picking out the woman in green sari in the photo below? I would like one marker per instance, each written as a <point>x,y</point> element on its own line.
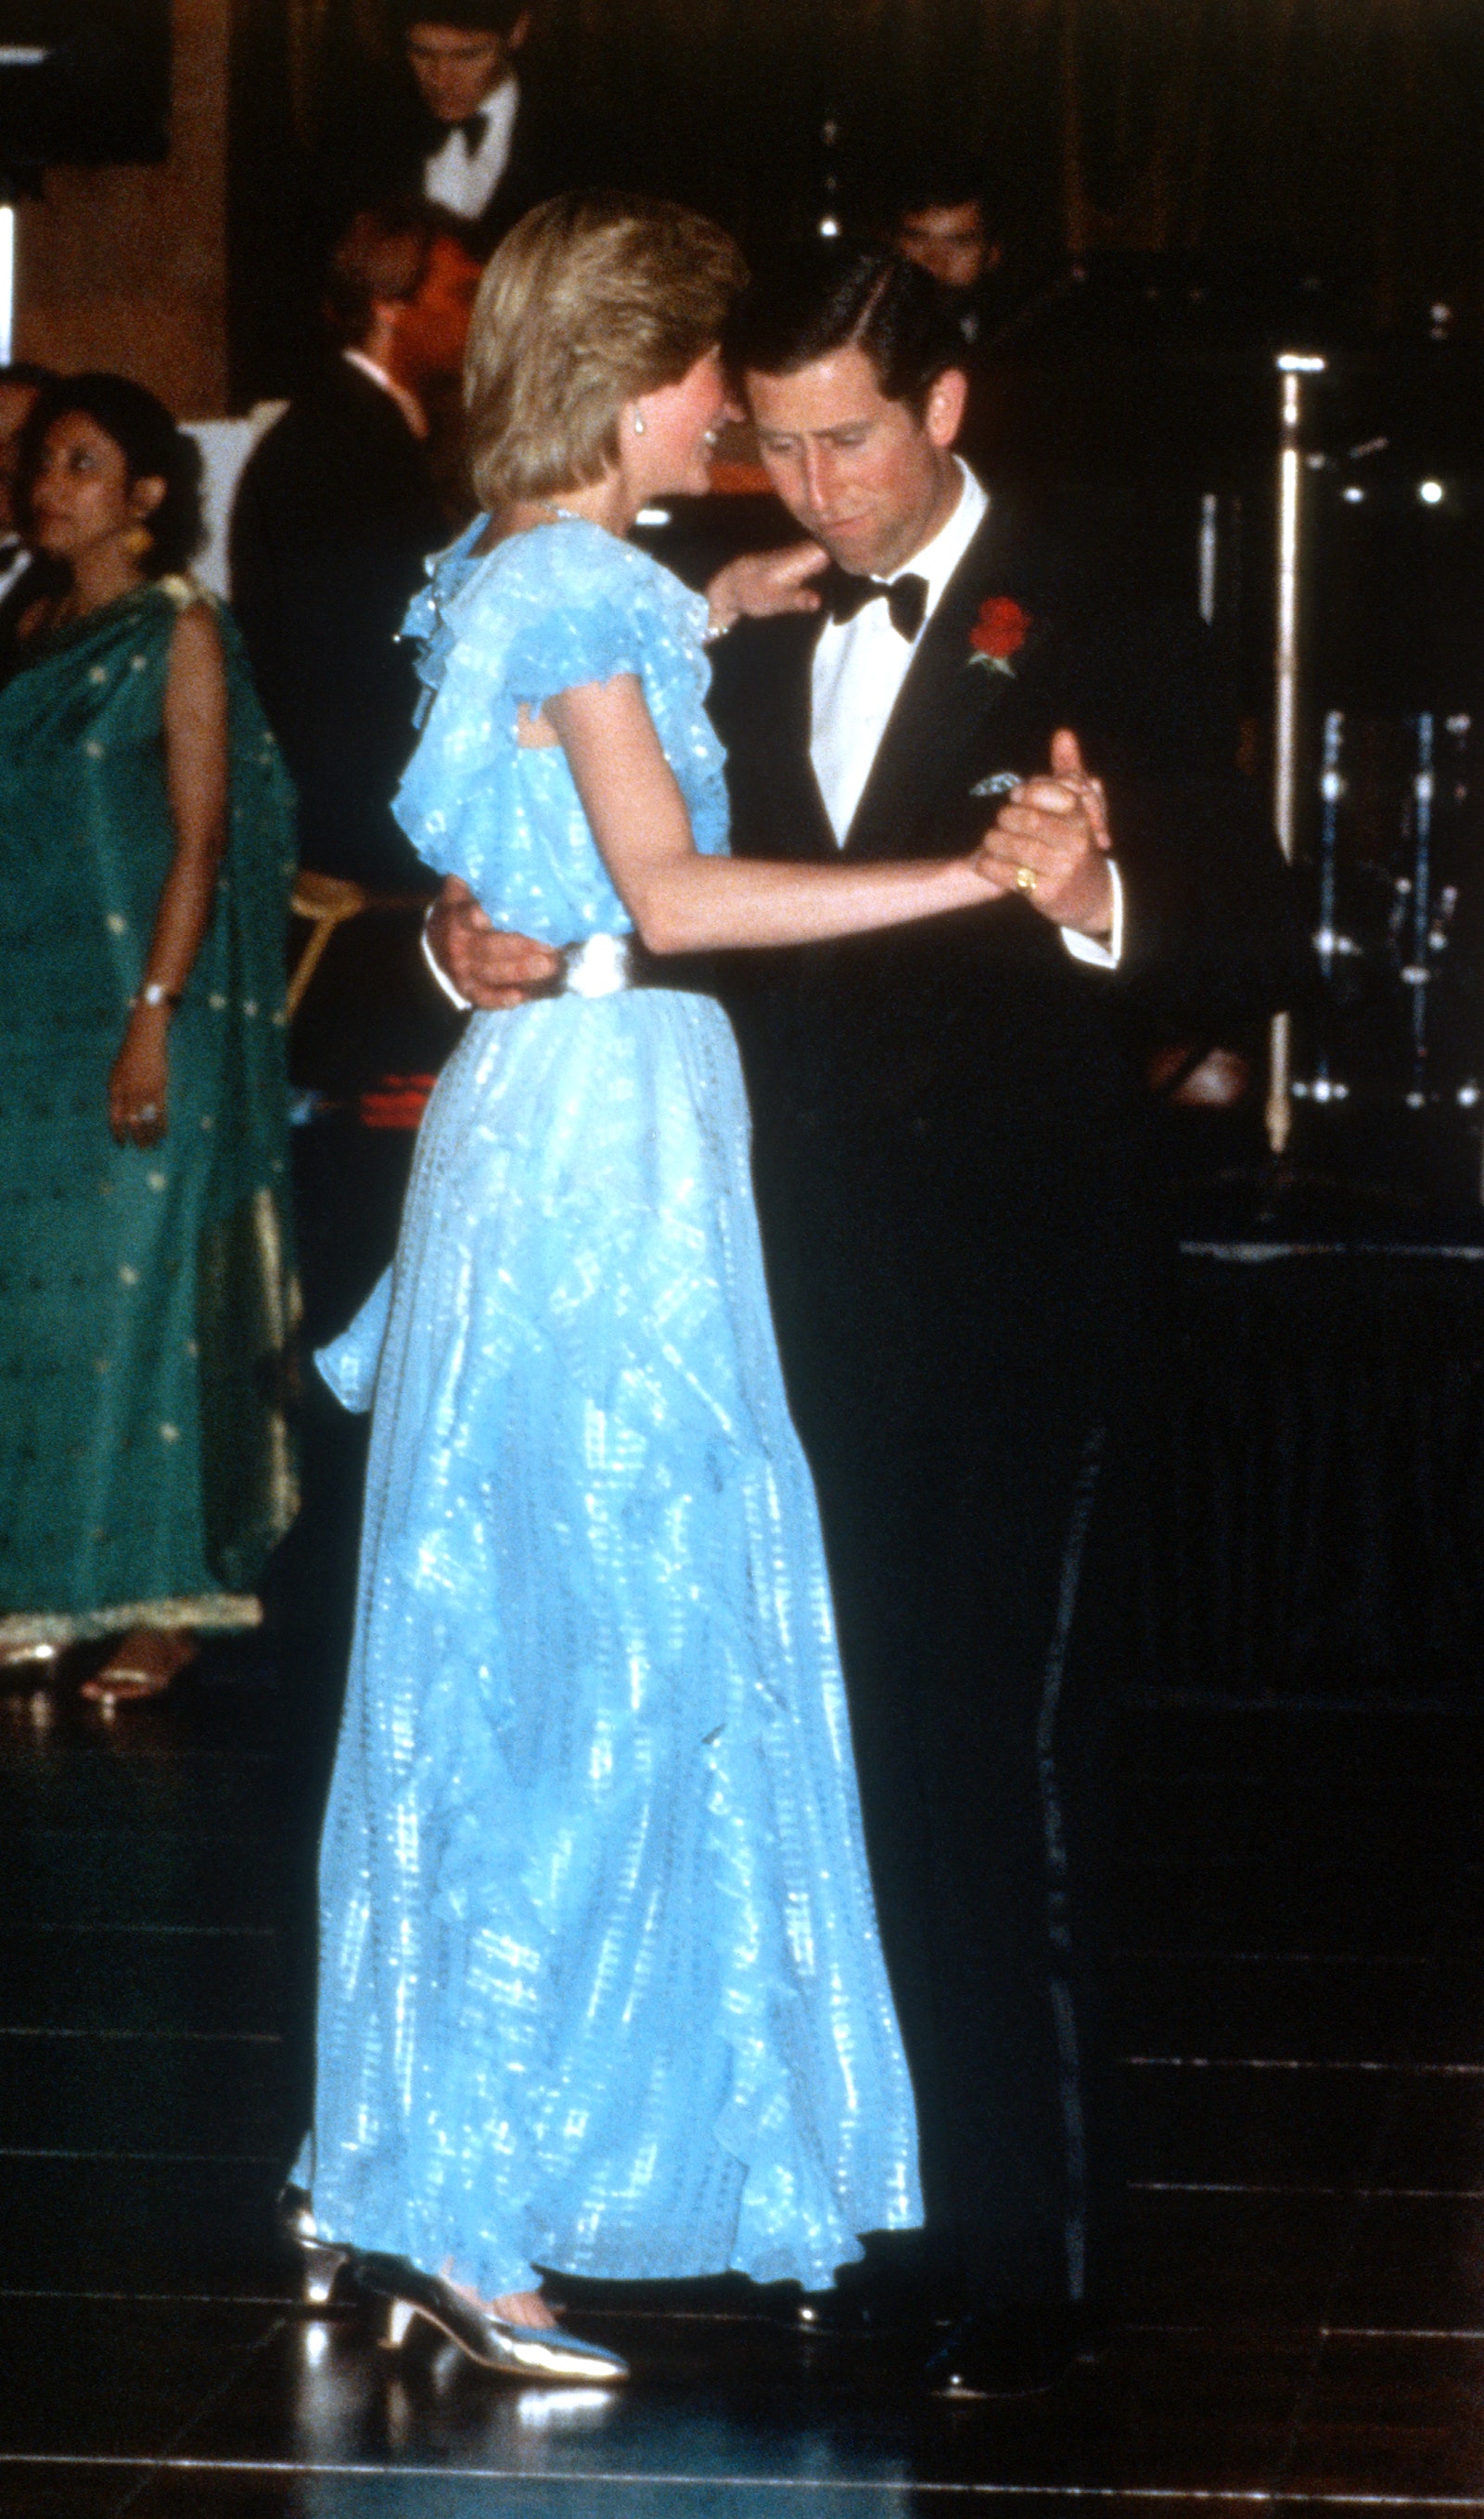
<point>145,1288</point>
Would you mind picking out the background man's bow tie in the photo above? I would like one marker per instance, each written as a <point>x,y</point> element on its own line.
<point>473,126</point>
<point>905,599</point>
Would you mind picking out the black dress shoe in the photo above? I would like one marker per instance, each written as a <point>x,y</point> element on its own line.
<point>1021,2352</point>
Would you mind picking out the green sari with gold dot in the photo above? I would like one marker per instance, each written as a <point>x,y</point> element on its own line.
<point>147,1294</point>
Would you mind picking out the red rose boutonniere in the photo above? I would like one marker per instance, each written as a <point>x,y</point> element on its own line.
<point>999,634</point>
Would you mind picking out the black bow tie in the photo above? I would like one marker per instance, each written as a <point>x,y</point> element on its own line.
<point>905,599</point>
<point>473,126</point>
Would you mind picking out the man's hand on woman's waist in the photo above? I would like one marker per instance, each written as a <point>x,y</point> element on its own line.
<point>476,964</point>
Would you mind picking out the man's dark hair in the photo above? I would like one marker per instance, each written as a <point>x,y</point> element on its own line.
<point>468,17</point>
<point>383,253</point>
<point>153,448</point>
<point>835,294</point>
<point>942,184</point>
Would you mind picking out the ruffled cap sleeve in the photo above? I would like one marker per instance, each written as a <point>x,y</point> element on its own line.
<point>549,610</point>
<point>562,649</point>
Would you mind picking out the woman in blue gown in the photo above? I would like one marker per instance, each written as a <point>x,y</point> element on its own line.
<point>601,1990</point>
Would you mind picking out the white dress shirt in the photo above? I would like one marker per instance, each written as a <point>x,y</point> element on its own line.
<point>406,403</point>
<point>861,666</point>
<point>461,179</point>
<point>859,669</point>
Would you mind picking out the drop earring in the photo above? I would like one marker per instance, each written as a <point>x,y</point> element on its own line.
<point>640,428</point>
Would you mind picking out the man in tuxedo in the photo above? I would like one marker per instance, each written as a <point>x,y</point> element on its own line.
<point>943,223</point>
<point>946,222</point>
<point>950,1155</point>
<point>481,139</point>
<point>334,518</point>
<point>23,575</point>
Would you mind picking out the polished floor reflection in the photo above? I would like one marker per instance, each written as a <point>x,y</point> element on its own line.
<point>1299,1994</point>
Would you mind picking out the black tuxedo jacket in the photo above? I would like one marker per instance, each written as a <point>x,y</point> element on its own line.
<point>334,518</point>
<point>951,1125</point>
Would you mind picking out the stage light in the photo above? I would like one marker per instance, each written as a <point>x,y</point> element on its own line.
<point>829,227</point>
<point>1430,493</point>
<point>1352,494</point>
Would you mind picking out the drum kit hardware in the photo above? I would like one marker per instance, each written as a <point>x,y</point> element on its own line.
<point>1385,837</point>
<point>1384,934</point>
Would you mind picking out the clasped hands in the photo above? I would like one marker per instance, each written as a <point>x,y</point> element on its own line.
<point>1050,843</point>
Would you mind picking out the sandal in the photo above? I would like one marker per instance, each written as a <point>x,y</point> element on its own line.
<point>402,2293</point>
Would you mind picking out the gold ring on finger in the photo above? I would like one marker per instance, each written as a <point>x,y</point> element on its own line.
<point>1026,880</point>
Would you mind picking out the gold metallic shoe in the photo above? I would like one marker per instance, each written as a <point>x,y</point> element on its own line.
<point>323,2260</point>
<point>405,2293</point>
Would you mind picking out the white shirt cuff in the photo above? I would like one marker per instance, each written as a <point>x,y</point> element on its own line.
<point>1085,948</point>
<point>465,1004</point>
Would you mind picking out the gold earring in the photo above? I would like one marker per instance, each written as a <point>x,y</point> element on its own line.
<point>138,541</point>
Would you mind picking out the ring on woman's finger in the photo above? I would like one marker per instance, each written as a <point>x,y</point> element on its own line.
<point>1026,880</point>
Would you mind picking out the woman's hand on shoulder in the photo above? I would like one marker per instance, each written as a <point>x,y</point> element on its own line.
<point>761,584</point>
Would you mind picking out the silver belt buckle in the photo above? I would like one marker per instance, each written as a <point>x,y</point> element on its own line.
<point>599,967</point>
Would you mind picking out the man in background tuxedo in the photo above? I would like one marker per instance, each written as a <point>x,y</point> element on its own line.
<point>463,123</point>
<point>24,576</point>
<point>950,1155</point>
<point>472,131</point>
<point>335,515</point>
<point>946,222</point>
<point>943,223</point>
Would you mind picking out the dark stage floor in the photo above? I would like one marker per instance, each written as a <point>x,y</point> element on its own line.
<point>1300,2000</point>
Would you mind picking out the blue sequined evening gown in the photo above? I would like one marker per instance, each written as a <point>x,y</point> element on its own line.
<point>601,1983</point>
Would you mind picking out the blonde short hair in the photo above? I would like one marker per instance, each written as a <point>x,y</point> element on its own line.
<point>592,300</point>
